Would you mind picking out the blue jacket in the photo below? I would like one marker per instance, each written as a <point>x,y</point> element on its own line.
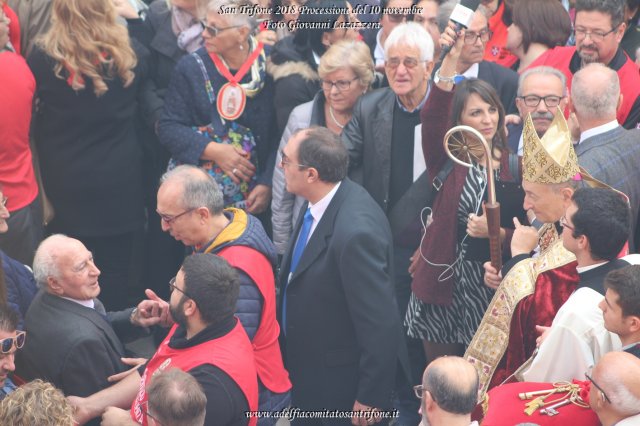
<point>186,105</point>
<point>21,286</point>
<point>249,305</point>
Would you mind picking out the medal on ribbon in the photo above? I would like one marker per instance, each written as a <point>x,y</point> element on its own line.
<point>232,98</point>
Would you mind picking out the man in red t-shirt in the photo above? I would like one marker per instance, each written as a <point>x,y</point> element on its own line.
<point>599,27</point>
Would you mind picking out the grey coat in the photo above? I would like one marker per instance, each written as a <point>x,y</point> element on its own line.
<point>613,157</point>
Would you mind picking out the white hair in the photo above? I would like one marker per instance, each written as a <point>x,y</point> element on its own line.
<point>45,263</point>
<point>410,34</point>
<point>237,18</point>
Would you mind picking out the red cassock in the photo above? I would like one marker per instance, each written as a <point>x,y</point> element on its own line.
<point>552,289</point>
<point>506,409</point>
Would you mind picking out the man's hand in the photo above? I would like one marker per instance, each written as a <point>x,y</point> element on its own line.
<point>512,119</point>
<point>364,420</point>
<point>258,199</point>
<point>114,416</point>
<point>165,313</point>
<point>524,240</point>
<point>82,411</point>
<point>543,333</point>
<point>150,312</point>
<point>492,277</point>
<point>135,362</point>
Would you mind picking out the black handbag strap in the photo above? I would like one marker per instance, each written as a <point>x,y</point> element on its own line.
<point>441,177</point>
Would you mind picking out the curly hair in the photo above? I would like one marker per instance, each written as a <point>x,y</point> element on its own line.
<point>86,42</point>
<point>36,403</point>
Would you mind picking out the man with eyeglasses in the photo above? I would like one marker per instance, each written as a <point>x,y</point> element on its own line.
<point>449,392</point>
<point>388,22</point>
<point>190,206</point>
<point>615,389</point>
<point>598,28</point>
<point>385,157</point>
<point>596,228</point>
<point>10,341</point>
<point>471,63</point>
<point>541,92</point>
<point>206,341</point>
<point>541,275</point>
<point>73,343</point>
<point>608,151</point>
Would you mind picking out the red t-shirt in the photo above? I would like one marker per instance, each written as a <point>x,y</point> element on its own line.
<point>17,86</point>
<point>495,50</point>
<point>14,27</point>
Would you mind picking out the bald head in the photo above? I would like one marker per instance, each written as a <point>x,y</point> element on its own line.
<point>453,384</point>
<point>47,258</point>
<point>618,374</point>
<point>595,93</point>
<point>191,187</point>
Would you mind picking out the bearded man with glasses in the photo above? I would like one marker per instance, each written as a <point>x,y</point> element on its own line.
<point>598,28</point>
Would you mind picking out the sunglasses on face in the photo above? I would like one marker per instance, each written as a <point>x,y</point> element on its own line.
<point>213,31</point>
<point>7,345</point>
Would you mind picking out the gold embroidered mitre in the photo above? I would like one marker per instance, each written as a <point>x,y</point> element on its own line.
<point>552,158</point>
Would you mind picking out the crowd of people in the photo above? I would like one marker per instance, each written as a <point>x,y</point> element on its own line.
<point>332,246</point>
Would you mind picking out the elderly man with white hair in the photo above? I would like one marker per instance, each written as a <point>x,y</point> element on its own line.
<point>615,389</point>
<point>73,342</point>
<point>385,156</point>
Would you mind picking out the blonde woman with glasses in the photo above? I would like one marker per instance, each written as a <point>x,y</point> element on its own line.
<point>346,73</point>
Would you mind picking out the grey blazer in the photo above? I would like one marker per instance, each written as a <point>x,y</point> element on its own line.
<point>73,346</point>
<point>614,158</point>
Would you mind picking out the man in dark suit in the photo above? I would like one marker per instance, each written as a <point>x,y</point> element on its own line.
<point>339,317</point>
<point>606,150</point>
<point>73,342</point>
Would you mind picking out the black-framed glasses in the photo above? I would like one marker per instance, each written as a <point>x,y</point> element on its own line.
<point>397,18</point>
<point>285,161</point>
<point>533,101</point>
<point>213,31</point>
<point>470,37</point>
<point>409,63</point>
<point>596,35</point>
<point>145,410</point>
<point>588,376</point>
<point>3,201</point>
<point>341,85</point>
<point>565,224</point>
<point>173,286</point>
<point>170,219</point>
<point>7,345</point>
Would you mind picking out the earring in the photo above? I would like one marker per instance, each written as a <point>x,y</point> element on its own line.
<point>241,47</point>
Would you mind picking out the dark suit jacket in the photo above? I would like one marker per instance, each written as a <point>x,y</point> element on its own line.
<point>613,157</point>
<point>70,345</point>
<point>343,331</point>
<point>504,80</point>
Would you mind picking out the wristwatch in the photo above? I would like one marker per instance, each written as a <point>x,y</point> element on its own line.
<point>455,79</point>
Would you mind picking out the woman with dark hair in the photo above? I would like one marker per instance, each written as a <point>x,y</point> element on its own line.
<point>448,296</point>
<point>537,27</point>
<point>295,59</point>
